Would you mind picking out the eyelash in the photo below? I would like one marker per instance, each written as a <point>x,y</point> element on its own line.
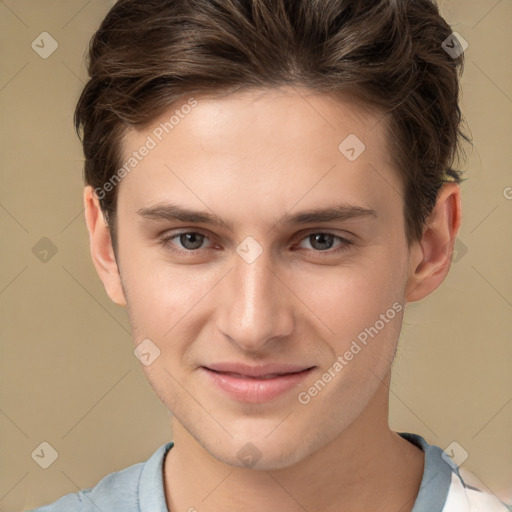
<point>166,243</point>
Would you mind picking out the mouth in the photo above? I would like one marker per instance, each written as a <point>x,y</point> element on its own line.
<point>262,377</point>
<point>255,384</point>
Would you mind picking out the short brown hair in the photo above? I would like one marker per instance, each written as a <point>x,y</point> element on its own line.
<point>149,54</point>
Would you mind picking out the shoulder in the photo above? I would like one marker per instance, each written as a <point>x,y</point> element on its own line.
<point>116,491</point>
<point>119,489</point>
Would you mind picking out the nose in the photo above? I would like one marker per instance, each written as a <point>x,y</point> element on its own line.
<point>256,307</point>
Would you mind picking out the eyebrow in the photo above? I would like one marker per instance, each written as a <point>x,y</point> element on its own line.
<point>173,212</point>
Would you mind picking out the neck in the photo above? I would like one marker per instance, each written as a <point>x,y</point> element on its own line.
<point>367,466</point>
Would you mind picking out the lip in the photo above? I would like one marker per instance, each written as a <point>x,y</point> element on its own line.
<point>255,384</point>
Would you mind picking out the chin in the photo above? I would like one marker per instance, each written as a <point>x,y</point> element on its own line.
<point>259,453</point>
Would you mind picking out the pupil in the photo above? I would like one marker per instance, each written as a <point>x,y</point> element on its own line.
<point>322,236</point>
<point>185,238</point>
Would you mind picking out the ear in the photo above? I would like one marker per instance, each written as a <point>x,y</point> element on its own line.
<point>101,248</point>
<point>431,257</point>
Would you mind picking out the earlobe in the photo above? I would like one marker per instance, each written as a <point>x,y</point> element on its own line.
<point>102,253</point>
<point>430,258</point>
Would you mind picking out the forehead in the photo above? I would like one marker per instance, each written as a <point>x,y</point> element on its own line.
<point>289,143</point>
<point>301,115</point>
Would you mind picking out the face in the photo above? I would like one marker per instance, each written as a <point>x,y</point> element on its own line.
<point>273,286</point>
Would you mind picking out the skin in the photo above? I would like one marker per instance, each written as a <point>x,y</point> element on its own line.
<point>250,158</point>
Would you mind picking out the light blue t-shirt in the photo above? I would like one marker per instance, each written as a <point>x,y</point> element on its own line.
<point>140,488</point>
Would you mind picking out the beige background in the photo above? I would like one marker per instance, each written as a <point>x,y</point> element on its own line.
<point>68,373</point>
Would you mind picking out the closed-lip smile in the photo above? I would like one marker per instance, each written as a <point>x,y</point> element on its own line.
<point>256,384</point>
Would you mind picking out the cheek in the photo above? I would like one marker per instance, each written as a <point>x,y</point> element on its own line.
<point>161,294</point>
<point>348,298</point>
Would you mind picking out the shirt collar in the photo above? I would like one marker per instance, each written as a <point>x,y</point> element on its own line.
<point>151,483</point>
<point>437,476</point>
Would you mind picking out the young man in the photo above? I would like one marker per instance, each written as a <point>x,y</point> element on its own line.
<point>269,184</point>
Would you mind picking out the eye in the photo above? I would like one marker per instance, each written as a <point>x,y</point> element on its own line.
<point>190,241</point>
<point>322,242</point>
